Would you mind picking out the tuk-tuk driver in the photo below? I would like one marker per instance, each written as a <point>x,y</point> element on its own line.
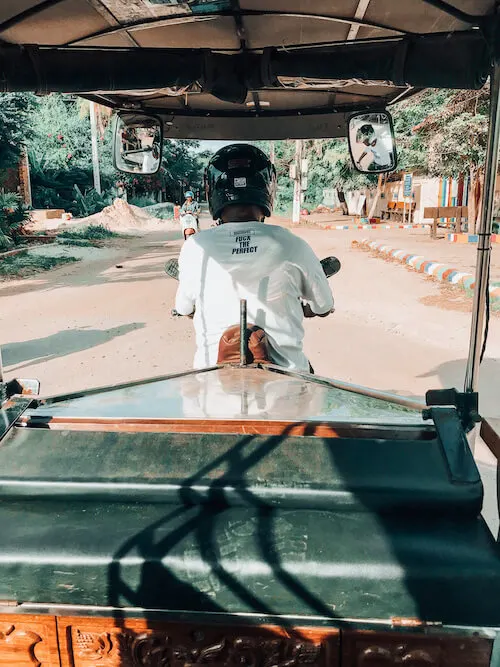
<point>380,156</point>
<point>275,271</point>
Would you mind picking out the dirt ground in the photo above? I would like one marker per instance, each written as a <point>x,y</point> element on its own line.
<point>91,323</point>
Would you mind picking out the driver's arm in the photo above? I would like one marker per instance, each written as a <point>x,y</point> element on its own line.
<point>316,292</point>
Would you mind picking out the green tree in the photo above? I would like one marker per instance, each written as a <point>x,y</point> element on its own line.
<point>331,167</point>
<point>61,160</point>
<point>456,135</point>
<point>412,147</point>
<point>184,166</point>
<point>16,116</point>
<point>61,134</point>
<point>284,152</point>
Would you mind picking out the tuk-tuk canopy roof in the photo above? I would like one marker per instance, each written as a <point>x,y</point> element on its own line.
<point>212,68</point>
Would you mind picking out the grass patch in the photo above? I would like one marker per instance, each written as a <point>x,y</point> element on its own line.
<point>81,243</point>
<point>24,265</point>
<point>90,233</point>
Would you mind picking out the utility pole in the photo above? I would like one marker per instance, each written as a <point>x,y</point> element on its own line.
<point>297,184</point>
<point>95,152</point>
<point>24,177</point>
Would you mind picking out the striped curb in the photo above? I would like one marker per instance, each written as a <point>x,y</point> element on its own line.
<point>18,251</point>
<point>11,253</point>
<point>419,263</point>
<point>334,227</point>
<point>470,238</point>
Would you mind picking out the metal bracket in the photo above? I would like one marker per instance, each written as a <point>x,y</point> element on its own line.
<point>456,450</point>
<point>495,653</point>
<point>466,404</point>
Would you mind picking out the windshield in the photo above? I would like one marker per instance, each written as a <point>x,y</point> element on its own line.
<point>85,301</point>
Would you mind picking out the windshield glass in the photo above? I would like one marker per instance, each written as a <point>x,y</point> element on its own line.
<point>229,394</point>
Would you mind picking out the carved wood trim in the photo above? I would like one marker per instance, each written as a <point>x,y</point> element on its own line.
<point>138,643</point>
<point>375,649</point>
<point>44,641</point>
<point>28,641</point>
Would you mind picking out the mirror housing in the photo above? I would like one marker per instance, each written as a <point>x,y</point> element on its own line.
<point>138,143</point>
<point>372,143</point>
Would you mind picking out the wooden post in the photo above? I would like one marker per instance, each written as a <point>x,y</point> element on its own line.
<point>297,185</point>
<point>434,228</point>
<point>95,152</point>
<point>24,177</point>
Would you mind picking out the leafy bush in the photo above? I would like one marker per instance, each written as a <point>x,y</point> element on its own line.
<point>92,233</point>
<point>162,211</point>
<point>13,215</point>
<point>142,201</point>
<point>90,201</point>
<point>6,242</point>
<point>16,125</point>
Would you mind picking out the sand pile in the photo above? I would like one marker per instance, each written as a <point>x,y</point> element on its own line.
<point>122,216</point>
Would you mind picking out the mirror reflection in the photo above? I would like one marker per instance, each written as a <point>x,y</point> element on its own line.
<point>372,143</point>
<point>138,141</point>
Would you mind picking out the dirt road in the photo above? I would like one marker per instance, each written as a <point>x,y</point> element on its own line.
<point>90,323</point>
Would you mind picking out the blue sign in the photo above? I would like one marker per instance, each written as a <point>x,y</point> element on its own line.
<point>407,185</point>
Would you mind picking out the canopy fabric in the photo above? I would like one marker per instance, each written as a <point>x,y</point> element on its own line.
<point>245,59</point>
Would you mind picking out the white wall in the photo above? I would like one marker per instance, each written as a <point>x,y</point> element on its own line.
<point>426,194</point>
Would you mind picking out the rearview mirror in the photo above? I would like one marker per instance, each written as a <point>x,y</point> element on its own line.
<point>371,142</point>
<point>138,143</point>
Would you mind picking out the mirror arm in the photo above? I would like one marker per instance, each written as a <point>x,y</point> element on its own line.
<point>138,150</point>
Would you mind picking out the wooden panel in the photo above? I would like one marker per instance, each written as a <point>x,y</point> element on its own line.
<point>87,642</point>
<point>28,641</point>
<point>445,212</point>
<point>377,649</point>
<point>247,427</point>
<point>491,436</point>
<point>430,212</point>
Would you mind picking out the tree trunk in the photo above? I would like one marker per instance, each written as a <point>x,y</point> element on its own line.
<point>479,200</point>
<point>475,190</point>
<point>376,198</point>
<point>342,201</point>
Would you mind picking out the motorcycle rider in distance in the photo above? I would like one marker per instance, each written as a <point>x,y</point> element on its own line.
<point>275,271</point>
<point>189,210</point>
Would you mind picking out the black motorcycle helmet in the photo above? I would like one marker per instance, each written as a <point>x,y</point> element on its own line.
<point>240,174</point>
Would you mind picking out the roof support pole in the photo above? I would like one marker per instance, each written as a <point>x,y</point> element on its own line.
<point>95,149</point>
<point>297,183</point>
<point>485,228</point>
<point>359,15</point>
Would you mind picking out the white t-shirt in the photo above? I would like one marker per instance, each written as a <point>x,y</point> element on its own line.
<point>265,264</point>
<point>381,155</point>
